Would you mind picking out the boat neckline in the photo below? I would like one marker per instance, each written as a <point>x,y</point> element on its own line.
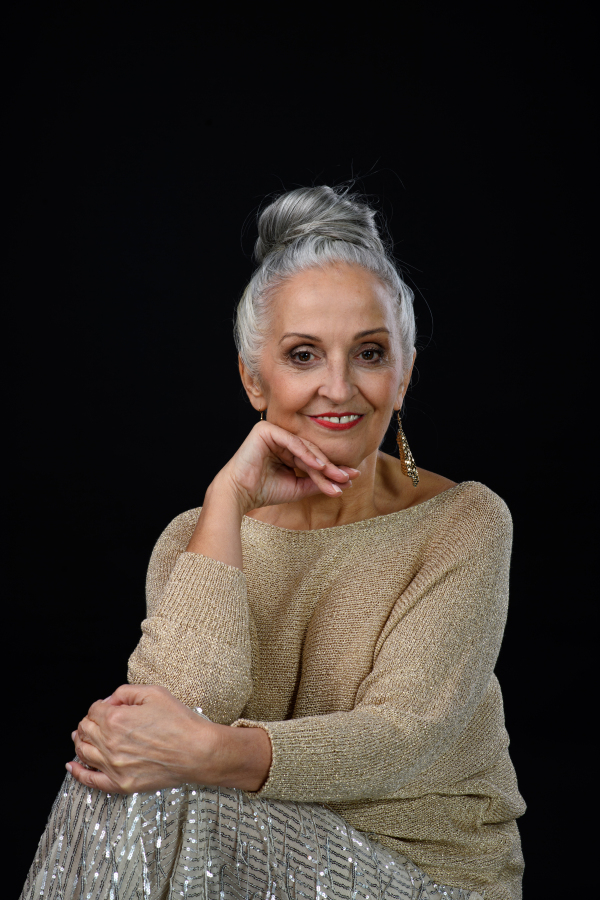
<point>361,522</point>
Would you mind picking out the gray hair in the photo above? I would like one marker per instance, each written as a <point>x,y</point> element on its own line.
<point>313,227</point>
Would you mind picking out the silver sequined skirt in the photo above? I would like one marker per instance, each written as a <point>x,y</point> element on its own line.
<point>203,842</point>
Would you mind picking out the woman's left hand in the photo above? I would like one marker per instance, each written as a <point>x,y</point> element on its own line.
<point>142,739</point>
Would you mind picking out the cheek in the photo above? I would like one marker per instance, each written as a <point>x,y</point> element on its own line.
<point>286,392</point>
<point>382,390</point>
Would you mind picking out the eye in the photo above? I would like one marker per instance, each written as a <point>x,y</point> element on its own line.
<point>371,354</point>
<point>302,356</point>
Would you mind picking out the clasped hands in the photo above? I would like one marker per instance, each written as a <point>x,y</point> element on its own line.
<point>142,738</point>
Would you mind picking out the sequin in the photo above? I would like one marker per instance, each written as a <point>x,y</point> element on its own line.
<point>366,651</point>
<point>379,697</point>
<point>214,844</point>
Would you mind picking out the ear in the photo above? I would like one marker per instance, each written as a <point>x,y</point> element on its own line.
<point>404,384</point>
<point>252,387</point>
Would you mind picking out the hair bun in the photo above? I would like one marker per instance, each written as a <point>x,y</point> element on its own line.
<point>316,212</point>
<point>315,227</point>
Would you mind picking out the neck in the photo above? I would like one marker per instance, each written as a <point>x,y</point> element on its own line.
<point>364,500</point>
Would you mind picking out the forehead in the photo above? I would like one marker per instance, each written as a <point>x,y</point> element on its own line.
<point>340,296</point>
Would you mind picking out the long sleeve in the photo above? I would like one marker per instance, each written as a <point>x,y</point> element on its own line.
<point>432,669</point>
<point>196,637</point>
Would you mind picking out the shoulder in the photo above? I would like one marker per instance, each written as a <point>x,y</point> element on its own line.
<point>478,516</point>
<point>430,485</point>
<point>479,501</point>
<point>395,491</point>
<point>469,505</point>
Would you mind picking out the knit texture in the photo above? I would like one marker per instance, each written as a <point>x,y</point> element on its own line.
<point>366,651</point>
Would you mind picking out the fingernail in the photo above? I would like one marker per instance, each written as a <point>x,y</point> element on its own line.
<point>337,488</point>
<point>69,768</point>
<point>73,733</point>
<point>320,461</point>
<point>107,698</point>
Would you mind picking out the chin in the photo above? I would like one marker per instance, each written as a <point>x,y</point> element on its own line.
<point>345,456</point>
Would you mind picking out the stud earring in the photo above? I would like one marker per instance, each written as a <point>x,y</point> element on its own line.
<point>407,461</point>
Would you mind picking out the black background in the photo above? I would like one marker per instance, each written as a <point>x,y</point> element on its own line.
<point>141,145</point>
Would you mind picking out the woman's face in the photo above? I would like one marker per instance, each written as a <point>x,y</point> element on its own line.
<point>331,370</point>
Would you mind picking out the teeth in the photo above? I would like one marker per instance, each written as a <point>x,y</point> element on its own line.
<point>339,420</point>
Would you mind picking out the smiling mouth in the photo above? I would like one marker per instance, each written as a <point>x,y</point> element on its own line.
<point>338,423</point>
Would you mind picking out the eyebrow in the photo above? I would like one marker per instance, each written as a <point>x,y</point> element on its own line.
<point>311,337</point>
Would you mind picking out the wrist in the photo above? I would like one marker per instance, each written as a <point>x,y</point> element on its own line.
<point>243,757</point>
<point>217,532</point>
<point>223,494</point>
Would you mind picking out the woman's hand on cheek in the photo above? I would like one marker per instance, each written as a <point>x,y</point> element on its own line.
<point>143,739</point>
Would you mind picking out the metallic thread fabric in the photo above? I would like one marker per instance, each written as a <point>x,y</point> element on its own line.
<point>366,651</point>
<point>215,844</point>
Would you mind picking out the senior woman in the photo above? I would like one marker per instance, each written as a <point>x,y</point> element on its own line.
<point>312,709</point>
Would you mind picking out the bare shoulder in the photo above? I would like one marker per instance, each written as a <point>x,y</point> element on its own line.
<point>431,484</point>
<point>398,491</point>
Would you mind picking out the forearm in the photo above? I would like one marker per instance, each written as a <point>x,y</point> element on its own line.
<point>142,738</point>
<point>197,642</point>
<point>334,757</point>
<point>217,532</point>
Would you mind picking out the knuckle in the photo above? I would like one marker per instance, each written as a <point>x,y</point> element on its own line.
<point>114,719</point>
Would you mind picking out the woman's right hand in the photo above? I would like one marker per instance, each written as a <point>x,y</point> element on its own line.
<point>263,472</point>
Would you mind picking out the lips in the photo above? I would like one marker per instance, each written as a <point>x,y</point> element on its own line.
<point>339,422</point>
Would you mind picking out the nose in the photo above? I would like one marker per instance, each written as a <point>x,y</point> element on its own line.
<point>338,386</point>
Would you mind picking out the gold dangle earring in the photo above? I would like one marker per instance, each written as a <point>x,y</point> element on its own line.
<point>262,415</point>
<point>407,461</point>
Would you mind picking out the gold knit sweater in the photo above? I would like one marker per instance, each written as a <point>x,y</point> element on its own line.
<point>367,652</point>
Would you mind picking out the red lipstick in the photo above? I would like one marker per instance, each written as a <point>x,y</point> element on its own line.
<point>324,419</point>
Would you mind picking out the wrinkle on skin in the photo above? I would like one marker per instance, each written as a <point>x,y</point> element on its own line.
<point>337,305</point>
